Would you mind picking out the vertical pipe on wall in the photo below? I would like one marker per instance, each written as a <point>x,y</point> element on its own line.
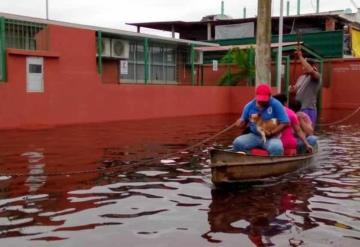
<point>279,58</point>
<point>100,51</point>
<point>192,62</point>
<point>2,50</point>
<point>287,75</point>
<point>287,8</point>
<point>298,7</point>
<point>222,8</point>
<point>244,12</point>
<point>209,31</point>
<point>251,64</point>
<point>146,60</point>
<point>173,31</point>
<point>47,9</point>
<point>317,6</point>
<point>319,98</point>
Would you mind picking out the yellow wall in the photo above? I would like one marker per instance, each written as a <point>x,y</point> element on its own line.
<point>355,41</point>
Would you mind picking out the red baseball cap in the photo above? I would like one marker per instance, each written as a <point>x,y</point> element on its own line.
<point>263,92</point>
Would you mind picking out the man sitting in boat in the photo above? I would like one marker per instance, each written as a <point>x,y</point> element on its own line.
<point>288,139</point>
<point>267,108</point>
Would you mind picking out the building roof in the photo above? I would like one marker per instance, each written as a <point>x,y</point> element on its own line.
<point>183,25</point>
<point>229,47</point>
<point>107,30</point>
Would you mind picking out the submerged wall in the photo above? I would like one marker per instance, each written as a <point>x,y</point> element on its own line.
<point>345,84</point>
<point>75,93</point>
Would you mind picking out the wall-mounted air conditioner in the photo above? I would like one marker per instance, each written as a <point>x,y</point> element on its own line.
<point>105,47</point>
<point>120,48</point>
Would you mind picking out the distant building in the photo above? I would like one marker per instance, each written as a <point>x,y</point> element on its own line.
<point>228,31</point>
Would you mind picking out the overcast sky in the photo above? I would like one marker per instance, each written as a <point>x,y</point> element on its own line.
<point>115,13</point>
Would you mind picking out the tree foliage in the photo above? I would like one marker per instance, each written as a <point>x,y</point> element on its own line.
<point>245,63</point>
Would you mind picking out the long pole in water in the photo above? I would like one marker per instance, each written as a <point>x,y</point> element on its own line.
<point>279,58</point>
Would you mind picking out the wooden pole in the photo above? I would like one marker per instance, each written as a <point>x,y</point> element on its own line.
<point>263,43</point>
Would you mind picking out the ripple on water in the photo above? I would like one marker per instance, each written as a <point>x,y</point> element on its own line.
<point>171,202</point>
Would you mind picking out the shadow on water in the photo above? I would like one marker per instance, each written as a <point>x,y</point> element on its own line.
<point>133,198</point>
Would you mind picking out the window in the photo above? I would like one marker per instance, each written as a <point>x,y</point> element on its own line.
<point>35,68</point>
<point>162,64</point>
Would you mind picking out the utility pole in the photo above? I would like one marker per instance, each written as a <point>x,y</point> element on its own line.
<point>263,43</point>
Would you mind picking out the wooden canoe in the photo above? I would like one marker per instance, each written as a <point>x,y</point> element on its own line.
<point>229,166</point>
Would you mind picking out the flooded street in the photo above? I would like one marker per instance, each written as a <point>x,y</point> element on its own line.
<point>114,184</point>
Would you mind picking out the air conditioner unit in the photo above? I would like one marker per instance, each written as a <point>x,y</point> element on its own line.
<point>119,48</point>
<point>105,47</point>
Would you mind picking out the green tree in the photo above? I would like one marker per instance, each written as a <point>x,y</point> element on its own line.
<point>245,63</point>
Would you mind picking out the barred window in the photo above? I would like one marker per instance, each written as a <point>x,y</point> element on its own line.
<point>161,66</point>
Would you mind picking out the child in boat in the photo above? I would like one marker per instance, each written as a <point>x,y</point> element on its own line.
<point>287,136</point>
<point>304,119</point>
<point>305,124</point>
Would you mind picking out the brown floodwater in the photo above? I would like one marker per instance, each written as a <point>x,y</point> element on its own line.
<point>115,184</point>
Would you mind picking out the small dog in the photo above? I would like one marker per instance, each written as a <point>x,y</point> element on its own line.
<point>264,126</point>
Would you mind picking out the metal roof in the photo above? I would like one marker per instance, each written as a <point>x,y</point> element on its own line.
<point>168,25</point>
<point>229,47</point>
<point>125,33</point>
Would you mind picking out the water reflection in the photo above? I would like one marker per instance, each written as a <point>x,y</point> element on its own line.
<point>134,199</point>
<point>36,177</point>
<point>260,213</point>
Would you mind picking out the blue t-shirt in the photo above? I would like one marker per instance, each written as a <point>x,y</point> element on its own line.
<point>274,109</point>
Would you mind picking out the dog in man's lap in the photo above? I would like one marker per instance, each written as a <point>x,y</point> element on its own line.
<point>264,126</point>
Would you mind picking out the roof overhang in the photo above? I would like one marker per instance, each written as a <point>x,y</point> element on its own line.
<point>183,25</point>
<point>287,48</point>
<point>111,31</point>
<point>241,47</point>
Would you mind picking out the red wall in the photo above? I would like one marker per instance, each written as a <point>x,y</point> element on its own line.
<point>345,83</point>
<point>74,92</point>
<point>110,71</point>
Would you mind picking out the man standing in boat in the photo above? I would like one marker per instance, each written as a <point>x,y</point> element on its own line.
<point>267,108</point>
<point>307,87</point>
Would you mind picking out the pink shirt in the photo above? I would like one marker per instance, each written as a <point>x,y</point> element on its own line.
<point>287,136</point>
